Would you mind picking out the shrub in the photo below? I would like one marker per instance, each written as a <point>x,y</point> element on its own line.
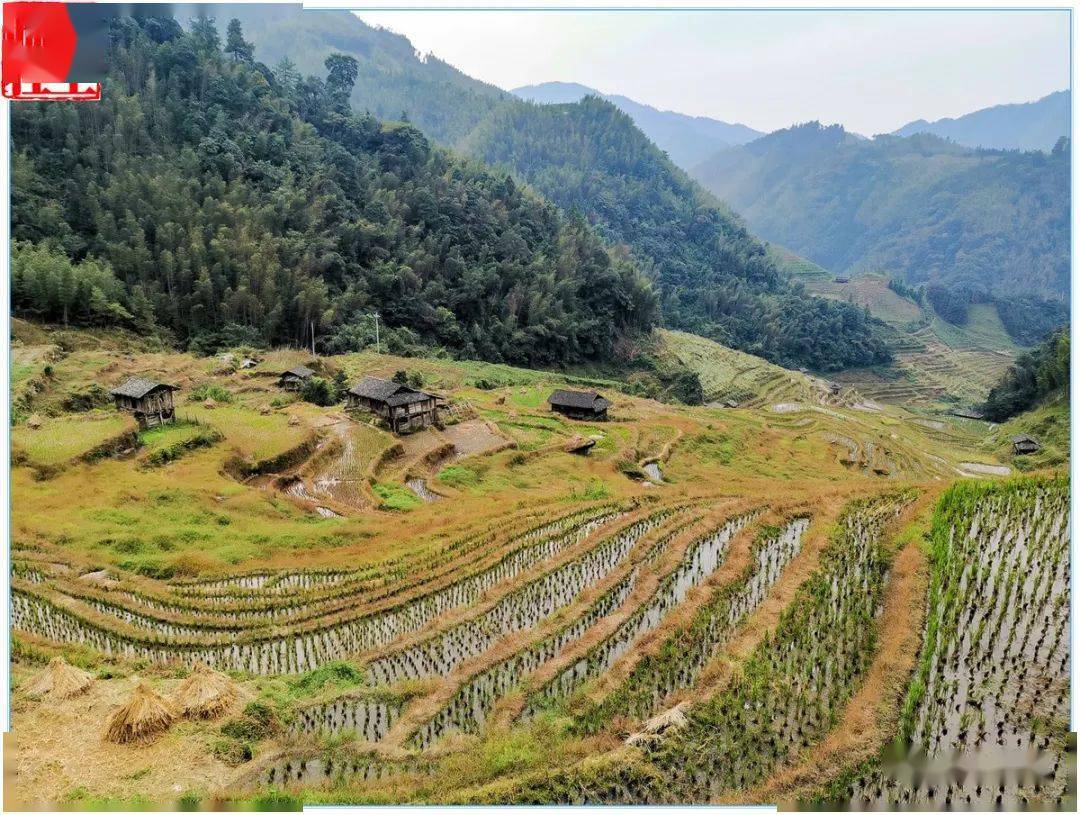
<point>232,751</point>
<point>395,497</point>
<point>319,391</point>
<point>210,390</point>
<point>687,388</point>
<point>81,401</point>
<point>257,722</point>
<point>458,476</point>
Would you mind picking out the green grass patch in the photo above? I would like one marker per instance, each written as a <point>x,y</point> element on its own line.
<point>61,439</point>
<point>396,497</point>
<point>252,434</point>
<point>458,476</point>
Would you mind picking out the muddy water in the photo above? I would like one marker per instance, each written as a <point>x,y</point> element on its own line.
<point>521,609</point>
<point>309,771</point>
<point>476,697</point>
<point>420,487</point>
<point>294,652</point>
<point>701,559</point>
<point>342,477</point>
<point>364,717</point>
<point>652,680</point>
<point>991,726</point>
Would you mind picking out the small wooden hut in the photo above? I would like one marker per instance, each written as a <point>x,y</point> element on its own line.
<point>580,404</point>
<point>294,378</point>
<point>404,409</point>
<point>150,402</point>
<point>1024,445</point>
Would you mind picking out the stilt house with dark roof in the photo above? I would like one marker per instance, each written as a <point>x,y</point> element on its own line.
<point>1024,445</point>
<point>294,378</point>
<point>150,402</point>
<point>404,409</point>
<point>580,404</point>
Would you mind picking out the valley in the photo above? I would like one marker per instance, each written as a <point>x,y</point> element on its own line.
<point>537,625</point>
<point>382,436</point>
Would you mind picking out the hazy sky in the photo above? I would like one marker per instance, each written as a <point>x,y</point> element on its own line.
<point>872,71</point>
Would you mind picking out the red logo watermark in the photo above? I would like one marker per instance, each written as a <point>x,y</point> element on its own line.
<point>38,48</point>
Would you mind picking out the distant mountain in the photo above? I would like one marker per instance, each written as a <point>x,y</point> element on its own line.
<point>714,278</point>
<point>979,223</point>
<point>688,140</point>
<point>1025,126</point>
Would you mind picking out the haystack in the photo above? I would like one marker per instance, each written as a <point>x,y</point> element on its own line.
<point>145,716</point>
<point>660,724</point>
<point>60,681</point>
<point>205,693</point>
<point>34,422</point>
<point>209,403</point>
<point>294,421</point>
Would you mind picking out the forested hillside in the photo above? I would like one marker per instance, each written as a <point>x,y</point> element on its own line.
<point>392,81</point>
<point>1040,373</point>
<point>980,224</point>
<point>714,278</point>
<point>688,140</point>
<point>209,196</point>
<point>1025,126</point>
<point>675,230</point>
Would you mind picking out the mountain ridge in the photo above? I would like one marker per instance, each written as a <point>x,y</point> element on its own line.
<point>919,207</point>
<point>1034,125</point>
<point>686,139</point>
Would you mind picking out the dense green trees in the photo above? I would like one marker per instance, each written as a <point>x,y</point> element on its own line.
<point>979,225</point>
<point>393,82</point>
<point>223,199</point>
<point>1034,375</point>
<point>713,277</point>
<point>46,284</point>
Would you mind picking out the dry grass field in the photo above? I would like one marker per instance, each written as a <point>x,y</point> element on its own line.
<point>714,604</point>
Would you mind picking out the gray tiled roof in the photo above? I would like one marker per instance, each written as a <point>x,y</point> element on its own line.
<point>300,371</point>
<point>583,400</point>
<point>371,387</point>
<point>137,387</point>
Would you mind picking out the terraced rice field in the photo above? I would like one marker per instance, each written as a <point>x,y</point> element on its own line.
<point>803,603</point>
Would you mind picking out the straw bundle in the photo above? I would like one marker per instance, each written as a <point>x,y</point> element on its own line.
<point>145,716</point>
<point>660,724</point>
<point>205,693</point>
<point>60,681</point>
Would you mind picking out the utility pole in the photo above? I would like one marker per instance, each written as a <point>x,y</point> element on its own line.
<point>313,338</point>
<point>377,351</point>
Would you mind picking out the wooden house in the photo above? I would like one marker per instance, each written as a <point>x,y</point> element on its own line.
<point>580,404</point>
<point>404,409</point>
<point>967,413</point>
<point>150,402</point>
<point>294,378</point>
<point>1024,445</point>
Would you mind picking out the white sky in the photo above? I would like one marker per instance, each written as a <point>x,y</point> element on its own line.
<point>872,71</point>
